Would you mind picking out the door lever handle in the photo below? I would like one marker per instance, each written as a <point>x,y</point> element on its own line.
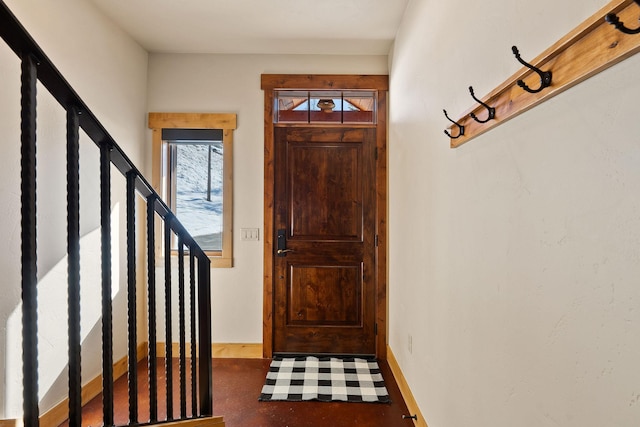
<point>282,243</point>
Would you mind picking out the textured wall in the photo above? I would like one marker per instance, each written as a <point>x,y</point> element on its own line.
<point>514,258</point>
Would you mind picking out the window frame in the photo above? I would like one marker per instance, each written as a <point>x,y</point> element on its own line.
<point>160,173</point>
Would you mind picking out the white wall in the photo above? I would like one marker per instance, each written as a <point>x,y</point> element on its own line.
<point>108,70</point>
<point>514,259</point>
<point>231,83</point>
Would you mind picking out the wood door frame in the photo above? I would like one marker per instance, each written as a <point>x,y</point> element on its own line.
<point>380,83</point>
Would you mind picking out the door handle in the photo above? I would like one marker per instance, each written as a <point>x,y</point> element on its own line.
<point>282,243</point>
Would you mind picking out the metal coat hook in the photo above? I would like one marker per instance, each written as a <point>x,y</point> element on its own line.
<point>491,110</point>
<point>460,127</point>
<point>545,76</point>
<point>613,19</point>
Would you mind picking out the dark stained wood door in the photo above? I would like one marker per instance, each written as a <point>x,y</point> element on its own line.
<point>324,260</point>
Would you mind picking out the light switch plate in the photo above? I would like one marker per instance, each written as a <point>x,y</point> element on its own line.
<point>249,234</point>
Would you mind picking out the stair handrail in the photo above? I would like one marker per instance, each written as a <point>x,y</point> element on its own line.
<point>36,66</point>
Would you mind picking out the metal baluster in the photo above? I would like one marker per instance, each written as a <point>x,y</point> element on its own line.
<point>192,312</point>
<point>167,296</point>
<point>109,154</point>
<point>73,252</point>
<point>204,321</point>
<point>107,323</point>
<point>28,246</point>
<point>131,297</point>
<point>183,372</point>
<point>151,291</point>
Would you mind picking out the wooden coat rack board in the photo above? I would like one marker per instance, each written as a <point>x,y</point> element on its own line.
<point>590,48</point>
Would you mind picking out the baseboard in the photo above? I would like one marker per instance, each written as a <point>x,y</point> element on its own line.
<point>412,405</point>
<point>220,350</point>
<point>60,413</point>
<point>240,351</point>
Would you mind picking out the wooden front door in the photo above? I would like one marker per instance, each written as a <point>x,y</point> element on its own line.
<point>324,242</point>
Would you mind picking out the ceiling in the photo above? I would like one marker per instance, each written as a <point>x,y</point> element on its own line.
<point>345,27</point>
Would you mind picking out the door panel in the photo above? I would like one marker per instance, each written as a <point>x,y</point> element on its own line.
<point>324,293</point>
<point>325,197</point>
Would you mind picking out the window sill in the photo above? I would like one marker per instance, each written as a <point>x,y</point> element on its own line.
<point>219,262</point>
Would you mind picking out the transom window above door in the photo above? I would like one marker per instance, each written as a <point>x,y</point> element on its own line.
<point>325,106</point>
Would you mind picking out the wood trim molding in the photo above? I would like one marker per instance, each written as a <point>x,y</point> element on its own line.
<point>226,260</point>
<point>407,395</point>
<point>269,216</point>
<point>590,48</point>
<point>381,226</point>
<point>240,351</point>
<point>270,82</point>
<point>60,413</point>
<point>193,120</point>
<point>220,350</point>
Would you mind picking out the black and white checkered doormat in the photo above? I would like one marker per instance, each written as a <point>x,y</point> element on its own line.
<point>325,379</point>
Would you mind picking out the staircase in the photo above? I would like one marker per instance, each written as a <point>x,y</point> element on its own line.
<point>194,379</point>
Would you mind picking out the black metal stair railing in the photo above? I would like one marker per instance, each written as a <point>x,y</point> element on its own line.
<point>36,66</point>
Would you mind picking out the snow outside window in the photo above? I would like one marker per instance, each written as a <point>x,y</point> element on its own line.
<point>198,189</point>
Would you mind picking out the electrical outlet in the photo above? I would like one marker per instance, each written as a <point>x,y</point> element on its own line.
<point>250,234</point>
<point>410,343</point>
